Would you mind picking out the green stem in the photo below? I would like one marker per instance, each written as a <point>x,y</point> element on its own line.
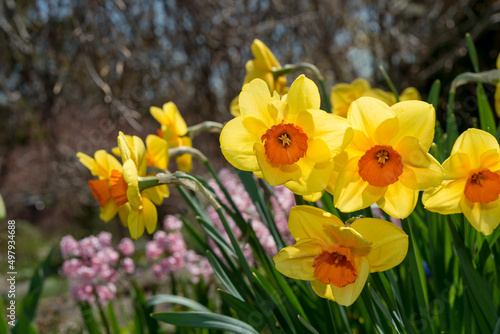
<point>299,200</point>
<point>490,77</point>
<point>389,82</point>
<point>101,311</point>
<point>206,126</point>
<point>290,68</point>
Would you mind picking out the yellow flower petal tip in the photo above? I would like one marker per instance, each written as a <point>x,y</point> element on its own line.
<point>387,162</point>
<point>337,258</point>
<point>472,182</point>
<point>286,140</point>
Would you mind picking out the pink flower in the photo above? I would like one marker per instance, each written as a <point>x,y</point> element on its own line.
<point>105,238</point>
<point>128,265</point>
<point>153,251</point>
<point>172,223</point>
<point>69,247</point>
<point>126,247</point>
<point>175,243</point>
<point>71,267</point>
<point>89,246</point>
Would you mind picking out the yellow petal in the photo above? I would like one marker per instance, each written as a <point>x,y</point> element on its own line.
<point>313,197</point>
<point>234,107</point>
<point>314,178</point>
<point>179,123</point>
<point>254,100</point>
<point>160,115</point>
<point>123,212</point>
<point>130,176</point>
<point>237,145</point>
<point>157,151</point>
<point>348,294</point>
<point>348,237</point>
<point>297,261</point>
<point>135,224</point>
<point>149,216</point>
<point>379,94</point>
<point>343,95</point>
<point>275,174</point>
<point>389,243</point>
<point>367,113</point>
<point>334,130</point>
<point>484,217</point>
<point>416,119</point>
<point>124,147</point>
<point>185,162</point>
<point>410,93</point>
<point>303,95</point>
<point>386,131</point>
<point>474,142</point>
<point>445,199</point>
<point>351,193</point>
<point>318,150</point>
<point>322,290</point>
<point>154,194</point>
<point>491,160</point>
<point>139,156</point>
<point>306,222</point>
<point>457,166</point>
<point>421,171</point>
<point>109,211</point>
<point>399,200</point>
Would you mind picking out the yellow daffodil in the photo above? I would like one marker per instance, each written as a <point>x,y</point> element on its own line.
<point>101,166</point>
<point>344,94</point>
<point>387,160</point>
<point>137,209</point>
<point>337,258</point>
<point>472,181</point>
<point>261,67</point>
<point>497,90</point>
<point>174,131</point>
<point>286,140</point>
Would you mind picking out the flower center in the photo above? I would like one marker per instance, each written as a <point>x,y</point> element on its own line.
<point>101,191</point>
<point>284,143</point>
<point>118,187</point>
<point>335,265</point>
<point>483,186</point>
<point>380,166</point>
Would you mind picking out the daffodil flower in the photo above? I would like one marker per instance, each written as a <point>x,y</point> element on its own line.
<point>344,94</point>
<point>285,140</point>
<point>136,208</point>
<point>174,131</point>
<point>336,258</point>
<point>387,160</point>
<point>262,67</point>
<point>472,182</point>
<point>101,166</point>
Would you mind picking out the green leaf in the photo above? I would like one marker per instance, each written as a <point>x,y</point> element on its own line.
<point>142,311</point>
<point>88,318</point>
<point>221,273</point>
<point>205,320</point>
<point>451,125</point>
<point>244,310</point>
<point>387,314</point>
<point>433,97</point>
<point>486,118</point>
<point>308,325</point>
<point>472,52</point>
<point>115,328</point>
<point>475,283</point>
<point>172,299</point>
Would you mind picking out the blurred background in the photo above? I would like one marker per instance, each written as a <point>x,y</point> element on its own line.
<point>73,73</point>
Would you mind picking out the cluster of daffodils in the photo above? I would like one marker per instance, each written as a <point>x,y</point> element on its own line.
<point>124,188</point>
<point>94,265</point>
<point>169,254</point>
<point>281,203</point>
<point>371,151</point>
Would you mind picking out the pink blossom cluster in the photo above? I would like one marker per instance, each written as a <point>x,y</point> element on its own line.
<point>93,264</point>
<point>281,203</point>
<point>169,254</point>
